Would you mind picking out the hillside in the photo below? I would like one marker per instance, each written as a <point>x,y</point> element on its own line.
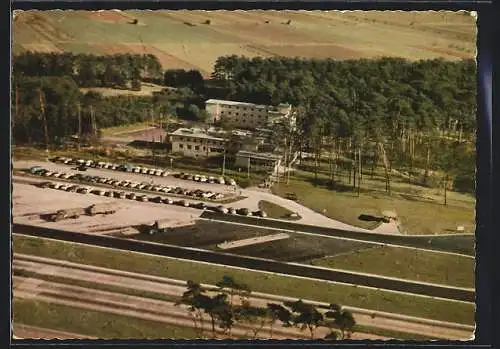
<point>194,39</point>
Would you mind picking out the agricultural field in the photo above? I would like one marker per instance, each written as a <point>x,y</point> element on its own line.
<point>194,39</point>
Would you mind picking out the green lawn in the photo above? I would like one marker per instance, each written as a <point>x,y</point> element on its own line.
<point>93,323</point>
<point>407,264</point>
<point>262,282</point>
<point>275,211</point>
<point>416,216</point>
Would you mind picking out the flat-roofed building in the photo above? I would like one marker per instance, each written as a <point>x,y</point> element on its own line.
<point>246,115</point>
<point>258,161</point>
<point>196,142</point>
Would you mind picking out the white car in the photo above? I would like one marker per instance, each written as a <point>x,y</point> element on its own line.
<point>221,180</point>
<point>197,178</point>
<point>203,179</point>
<point>165,174</point>
<point>232,182</point>
<point>88,163</point>
<point>136,169</point>
<point>66,175</point>
<point>152,171</point>
<point>158,172</point>
<point>144,170</point>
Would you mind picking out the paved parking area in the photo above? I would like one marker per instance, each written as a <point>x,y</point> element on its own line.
<point>119,175</point>
<point>30,201</point>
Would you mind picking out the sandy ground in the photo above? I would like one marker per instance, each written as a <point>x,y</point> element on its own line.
<point>177,287</point>
<point>29,201</point>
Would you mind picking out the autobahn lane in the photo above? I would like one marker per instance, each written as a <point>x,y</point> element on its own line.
<point>424,242</point>
<point>366,280</point>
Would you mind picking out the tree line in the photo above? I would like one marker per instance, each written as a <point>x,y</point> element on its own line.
<point>399,114</point>
<point>87,70</point>
<point>230,306</point>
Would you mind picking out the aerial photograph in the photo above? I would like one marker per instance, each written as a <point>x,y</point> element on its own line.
<point>243,175</point>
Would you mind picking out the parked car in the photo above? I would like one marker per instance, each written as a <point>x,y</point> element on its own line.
<point>44,184</point>
<point>142,198</point>
<point>197,178</point>
<point>243,211</point>
<point>260,213</point>
<point>35,169</point>
<point>72,188</point>
<point>156,199</point>
<point>291,196</point>
<point>136,169</point>
<point>222,209</point>
<point>152,171</point>
<point>131,196</point>
<point>189,177</point>
<point>232,182</point>
<point>221,180</point>
<point>158,172</point>
<point>165,174</point>
<point>168,201</point>
<point>82,190</point>
<point>182,203</point>
<point>232,210</point>
<point>99,192</point>
<point>200,206</point>
<point>203,179</point>
<point>47,174</point>
<point>108,193</point>
<point>144,170</point>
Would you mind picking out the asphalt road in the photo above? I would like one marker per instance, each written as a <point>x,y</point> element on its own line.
<point>366,280</point>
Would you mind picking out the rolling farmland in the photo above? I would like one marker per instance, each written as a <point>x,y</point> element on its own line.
<point>194,39</point>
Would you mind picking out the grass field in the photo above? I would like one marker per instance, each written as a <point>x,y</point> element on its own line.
<point>274,284</point>
<point>93,323</point>
<point>407,264</point>
<point>417,214</point>
<point>181,39</point>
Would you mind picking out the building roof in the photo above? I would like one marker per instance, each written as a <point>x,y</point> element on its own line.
<point>254,155</point>
<point>221,101</point>
<point>195,133</point>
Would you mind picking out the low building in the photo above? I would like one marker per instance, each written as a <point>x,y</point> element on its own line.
<point>196,143</point>
<point>257,161</point>
<point>246,115</point>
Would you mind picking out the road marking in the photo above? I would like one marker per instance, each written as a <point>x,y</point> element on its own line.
<point>257,271</point>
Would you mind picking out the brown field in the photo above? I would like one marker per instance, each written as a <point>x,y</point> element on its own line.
<point>183,39</point>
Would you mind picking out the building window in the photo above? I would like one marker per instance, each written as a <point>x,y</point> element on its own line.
<point>189,147</point>
<point>196,147</point>
<point>181,146</point>
<point>204,148</point>
<point>229,113</point>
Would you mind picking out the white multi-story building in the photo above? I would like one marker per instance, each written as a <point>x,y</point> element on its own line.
<point>247,115</point>
<point>196,143</point>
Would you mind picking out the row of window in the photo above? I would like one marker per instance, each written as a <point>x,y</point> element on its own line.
<point>262,115</point>
<point>197,147</point>
<point>201,141</point>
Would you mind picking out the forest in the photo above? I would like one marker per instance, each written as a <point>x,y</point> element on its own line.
<point>418,117</point>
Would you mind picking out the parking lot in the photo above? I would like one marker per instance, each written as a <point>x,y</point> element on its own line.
<point>30,201</point>
<point>139,177</point>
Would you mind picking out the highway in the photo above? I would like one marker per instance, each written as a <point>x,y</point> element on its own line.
<point>365,280</point>
<point>43,267</point>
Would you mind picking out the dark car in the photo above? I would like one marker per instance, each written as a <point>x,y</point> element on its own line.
<point>200,206</point>
<point>44,184</point>
<point>156,199</point>
<point>81,168</point>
